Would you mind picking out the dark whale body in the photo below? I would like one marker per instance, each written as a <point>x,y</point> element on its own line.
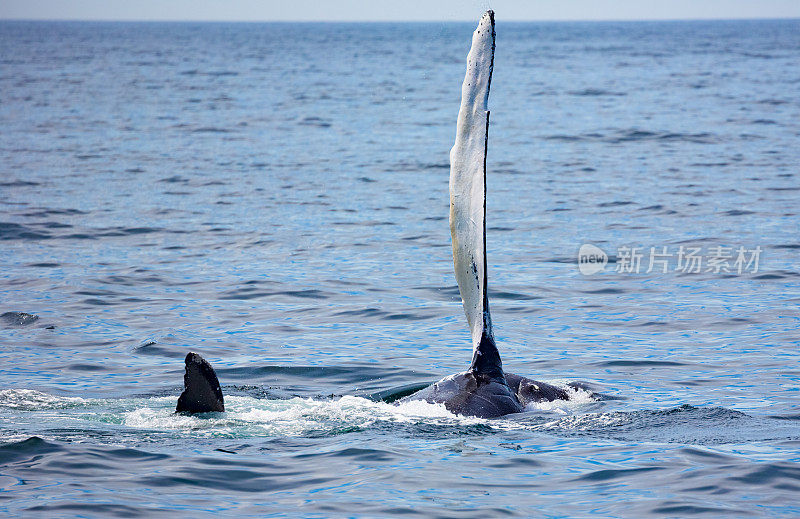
<point>473,394</point>
<point>484,390</point>
<point>201,393</point>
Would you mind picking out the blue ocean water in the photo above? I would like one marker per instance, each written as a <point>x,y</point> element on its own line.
<point>274,196</point>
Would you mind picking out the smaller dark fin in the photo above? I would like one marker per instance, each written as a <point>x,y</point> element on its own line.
<point>201,393</point>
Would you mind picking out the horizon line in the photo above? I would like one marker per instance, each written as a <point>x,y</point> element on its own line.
<point>554,20</point>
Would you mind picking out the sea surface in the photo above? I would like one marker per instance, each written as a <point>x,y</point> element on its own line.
<point>275,197</point>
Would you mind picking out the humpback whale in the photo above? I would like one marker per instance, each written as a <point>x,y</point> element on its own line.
<point>484,390</point>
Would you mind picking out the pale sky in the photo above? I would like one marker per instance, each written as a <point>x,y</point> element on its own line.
<point>394,10</point>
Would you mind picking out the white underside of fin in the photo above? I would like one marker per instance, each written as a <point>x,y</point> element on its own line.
<point>468,180</point>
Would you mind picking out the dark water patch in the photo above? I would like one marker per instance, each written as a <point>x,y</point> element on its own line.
<point>354,453</point>
<point>79,236</point>
<point>93,301</point>
<point>595,92</point>
<point>211,129</point>
<point>102,509</point>
<point>652,324</point>
<point>779,474</point>
<point>605,290</point>
<point>511,296</point>
<point>786,417</point>
<point>440,165</point>
<point>55,225</point>
<point>44,265</point>
<point>772,102</point>
<point>777,274</point>
<point>315,121</point>
<point>709,164</point>
<point>19,183</point>
<point>615,203</point>
<point>252,293</point>
<point>408,316</point>
<point>18,318</point>
<point>130,280</point>
<point>42,213</point>
<point>738,212</point>
<point>174,179</point>
<point>126,231</point>
<point>234,480</point>
<point>564,138</point>
<point>610,474</point>
<point>684,510</point>
<point>633,135</point>
<point>15,231</point>
<point>634,363</point>
<point>562,259</point>
<point>364,313</point>
<point>86,367</point>
<point>500,229</point>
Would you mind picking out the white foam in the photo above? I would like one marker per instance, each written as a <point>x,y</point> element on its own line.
<point>293,417</point>
<point>30,399</point>
<point>255,417</point>
<point>577,398</point>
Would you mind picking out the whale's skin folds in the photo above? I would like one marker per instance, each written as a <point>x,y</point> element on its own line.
<point>468,181</point>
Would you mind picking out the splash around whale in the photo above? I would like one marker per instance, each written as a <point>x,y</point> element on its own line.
<point>484,390</point>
